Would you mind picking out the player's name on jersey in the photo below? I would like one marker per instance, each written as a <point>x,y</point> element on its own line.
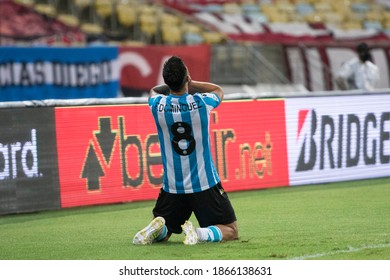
<point>181,107</point>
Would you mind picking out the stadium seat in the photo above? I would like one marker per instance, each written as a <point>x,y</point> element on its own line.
<point>148,9</point>
<point>351,25</point>
<point>376,25</point>
<point>267,9</point>
<point>278,17</point>
<point>190,38</point>
<point>273,14</point>
<point>294,17</point>
<point>149,27</point>
<point>386,16</point>
<point>231,8</point>
<point>104,8</point>
<point>191,28</point>
<point>127,16</point>
<point>213,37</point>
<point>69,19</point>
<point>170,19</point>
<point>82,3</point>
<point>250,8</point>
<point>46,9</point>
<point>360,7</point>
<point>304,8</point>
<point>171,34</point>
<point>286,7</point>
<point>25,2</point>
<point>323,7</point>
<point>91,28</point>
<point>191,33</point>
<point>374,16</point>
<point>339,7</point>
<point>333,18</point>
<point>314,18</point>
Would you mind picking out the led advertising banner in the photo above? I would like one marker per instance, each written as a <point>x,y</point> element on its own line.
<point>249,139</point>
<point>107,154</point>
<point>28,161</point>
<point>111,154</point>
<point>338,138</point>
<point>58,73</point>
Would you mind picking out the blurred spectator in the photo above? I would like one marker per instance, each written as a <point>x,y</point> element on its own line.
<point>359,72</point>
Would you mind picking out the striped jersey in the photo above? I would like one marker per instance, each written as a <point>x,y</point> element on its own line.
<point>183,130</point>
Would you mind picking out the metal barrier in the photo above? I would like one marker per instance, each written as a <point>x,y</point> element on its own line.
<point>248,64</point>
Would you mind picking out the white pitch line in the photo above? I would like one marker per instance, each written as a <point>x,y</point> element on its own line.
<point>349,250</point>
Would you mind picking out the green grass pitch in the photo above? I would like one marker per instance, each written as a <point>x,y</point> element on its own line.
<point>337,221</point>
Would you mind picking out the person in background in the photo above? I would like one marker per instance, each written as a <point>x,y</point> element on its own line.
<point>359,72</point>
<point>181,109</point>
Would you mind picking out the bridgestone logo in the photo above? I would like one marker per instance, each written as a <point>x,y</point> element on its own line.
<point>344,140</point>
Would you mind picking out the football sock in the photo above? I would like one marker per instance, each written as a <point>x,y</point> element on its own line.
<point>162,234</point>
<point>209,234</point>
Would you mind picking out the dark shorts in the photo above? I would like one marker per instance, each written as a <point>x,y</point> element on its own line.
<point>211,207</point>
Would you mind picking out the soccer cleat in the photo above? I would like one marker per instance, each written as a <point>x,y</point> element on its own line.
<point>190,233</point>
<point>148,234</point>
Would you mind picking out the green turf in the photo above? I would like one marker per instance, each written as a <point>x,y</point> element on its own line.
<point>347,220</point>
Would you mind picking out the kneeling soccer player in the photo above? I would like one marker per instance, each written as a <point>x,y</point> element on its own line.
<point>181,109</point>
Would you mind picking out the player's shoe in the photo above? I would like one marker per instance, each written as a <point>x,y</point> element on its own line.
<point>150,232</point>
<point>190,233</point>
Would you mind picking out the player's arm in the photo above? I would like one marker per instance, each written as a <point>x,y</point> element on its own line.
<point>159,89</point>
<point>196,86</point>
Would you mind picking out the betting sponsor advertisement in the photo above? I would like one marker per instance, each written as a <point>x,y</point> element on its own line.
<point>249,141</point>
<point>338,138</point>
<point>28,161</point>
<point>109,154</point>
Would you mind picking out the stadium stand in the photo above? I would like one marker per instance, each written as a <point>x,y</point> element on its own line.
<point>121,21</point>
<point>176,22</point>
<point>43,26</point>
<point>171,22</point>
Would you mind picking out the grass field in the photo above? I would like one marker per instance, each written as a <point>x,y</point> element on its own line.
<point>337,221</point>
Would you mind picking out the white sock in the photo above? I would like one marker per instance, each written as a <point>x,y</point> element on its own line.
<point>209,234</point>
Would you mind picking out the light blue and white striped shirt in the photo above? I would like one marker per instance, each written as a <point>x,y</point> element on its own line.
<point>183,130</point>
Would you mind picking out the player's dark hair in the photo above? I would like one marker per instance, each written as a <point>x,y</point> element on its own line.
<point>175,73</point>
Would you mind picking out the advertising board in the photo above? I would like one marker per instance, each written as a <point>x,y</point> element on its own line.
<point>338,138</point>
<point>58,73</point>
<point>110,154</point>
<point>28,160</point>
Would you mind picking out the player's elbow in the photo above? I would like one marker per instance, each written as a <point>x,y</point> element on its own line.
<point>219,91</point>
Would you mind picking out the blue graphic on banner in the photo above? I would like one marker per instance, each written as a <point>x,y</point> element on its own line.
<point>39,73</point>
